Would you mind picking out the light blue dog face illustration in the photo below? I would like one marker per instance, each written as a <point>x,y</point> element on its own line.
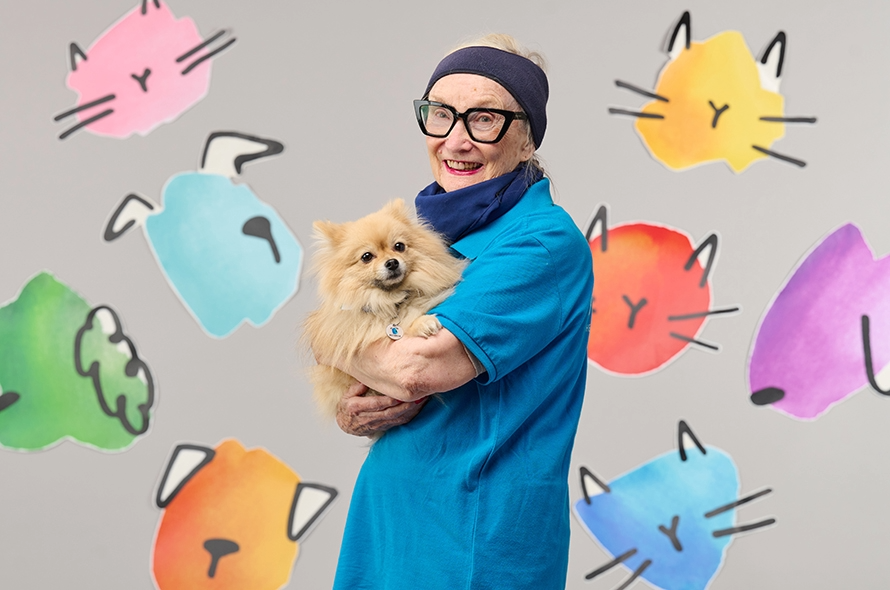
<point>229,257</point>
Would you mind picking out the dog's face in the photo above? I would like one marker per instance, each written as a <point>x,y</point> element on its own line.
<point>381,251</point>
<point>232,519</point>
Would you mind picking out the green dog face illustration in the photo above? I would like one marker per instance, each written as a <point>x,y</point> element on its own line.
<point>68,371</point>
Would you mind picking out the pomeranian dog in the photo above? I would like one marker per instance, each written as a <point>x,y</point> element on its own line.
<point>377,278</point>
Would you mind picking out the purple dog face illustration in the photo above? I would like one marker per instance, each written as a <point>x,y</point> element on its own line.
<point>815,345</point>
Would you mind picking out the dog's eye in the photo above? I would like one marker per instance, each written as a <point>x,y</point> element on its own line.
<point>399,247</point>
<point>367,257</point>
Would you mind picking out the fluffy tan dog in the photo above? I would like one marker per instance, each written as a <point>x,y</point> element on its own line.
<point>377,277</point>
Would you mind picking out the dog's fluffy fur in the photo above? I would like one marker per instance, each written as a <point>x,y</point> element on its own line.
<point>381,269</point>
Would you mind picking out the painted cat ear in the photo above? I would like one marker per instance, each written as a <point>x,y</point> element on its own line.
<point>187,460</point>
<point>75,53</point>
<point>711,243</point>
<point>771,61</point>
<point>157,4</point>
<point>683,432</point>
<point>311,501</point>
<point>226,152</point>
<point>133,210</point>
<point>588,477</point>
<point>601,219</point>
<point>681,37</point>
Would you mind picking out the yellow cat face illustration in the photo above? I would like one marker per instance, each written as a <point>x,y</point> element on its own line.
<point>714,101</point>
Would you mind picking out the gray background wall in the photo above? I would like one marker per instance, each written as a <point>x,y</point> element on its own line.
<point>74,517</point>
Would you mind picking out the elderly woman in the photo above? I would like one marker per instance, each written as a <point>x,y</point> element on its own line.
<point>471,489</point>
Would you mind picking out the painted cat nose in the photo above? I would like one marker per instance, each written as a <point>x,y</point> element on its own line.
<point>767,396</point>
<point>218,548</point>
<point>717,113</point>
<point>672,533</point>
<point>392,264</point>
<point>143,79</point>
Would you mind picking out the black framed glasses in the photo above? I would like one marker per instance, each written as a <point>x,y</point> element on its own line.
<point>483,125</point>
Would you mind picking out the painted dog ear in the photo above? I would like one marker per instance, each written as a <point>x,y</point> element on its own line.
<point>226,152</point>
<point>311,501</point>
<point>186,461</point>
<point>133,210</point>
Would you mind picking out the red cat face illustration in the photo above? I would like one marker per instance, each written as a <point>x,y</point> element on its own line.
<point>651,295</point>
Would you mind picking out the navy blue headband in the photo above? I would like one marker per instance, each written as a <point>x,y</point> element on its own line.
<point>521,77</point>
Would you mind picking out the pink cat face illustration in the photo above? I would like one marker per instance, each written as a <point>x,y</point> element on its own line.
<point>146,70</point>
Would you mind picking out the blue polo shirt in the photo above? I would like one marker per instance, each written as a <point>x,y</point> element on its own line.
<point>473,493</point>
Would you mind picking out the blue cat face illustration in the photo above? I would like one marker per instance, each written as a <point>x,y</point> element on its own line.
<point>670,520</point>
<point>228,256</point>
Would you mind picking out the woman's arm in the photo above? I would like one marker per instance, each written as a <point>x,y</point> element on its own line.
<point>413,368</point>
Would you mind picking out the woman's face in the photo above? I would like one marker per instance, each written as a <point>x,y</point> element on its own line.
<point>457,161</point>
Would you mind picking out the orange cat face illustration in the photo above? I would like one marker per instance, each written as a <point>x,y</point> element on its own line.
<point>232,519</point>
<point>713,101</point>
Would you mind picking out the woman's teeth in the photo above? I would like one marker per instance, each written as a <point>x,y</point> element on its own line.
<point>454,164</point>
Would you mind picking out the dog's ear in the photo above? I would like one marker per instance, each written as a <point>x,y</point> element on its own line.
<point>397,209</point>
<point>186,461</point>
<point>330,232</point>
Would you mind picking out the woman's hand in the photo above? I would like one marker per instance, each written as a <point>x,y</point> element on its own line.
<point>361,415</point>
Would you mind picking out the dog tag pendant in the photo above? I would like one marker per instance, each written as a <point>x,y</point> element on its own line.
<point>394,332</point>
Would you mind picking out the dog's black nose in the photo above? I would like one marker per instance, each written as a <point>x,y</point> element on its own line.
<point>392,264</point>
<point>218,548</point>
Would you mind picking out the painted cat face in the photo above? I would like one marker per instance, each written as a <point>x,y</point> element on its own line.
<point>232,519</point>
<point>713,101</point>
<point>671,520</point>
<point>813,347</point>
<point>146,70</point>
<point>68,372</point>
<point>651,296</point>
<point>228,256</point>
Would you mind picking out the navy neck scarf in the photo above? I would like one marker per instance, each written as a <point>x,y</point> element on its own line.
<point>457,213</point>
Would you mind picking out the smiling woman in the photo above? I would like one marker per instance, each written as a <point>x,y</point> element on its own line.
<point>472,492</point>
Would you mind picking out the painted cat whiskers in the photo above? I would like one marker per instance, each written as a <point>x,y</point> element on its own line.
<point>714,101</point>
<point>145,70</point>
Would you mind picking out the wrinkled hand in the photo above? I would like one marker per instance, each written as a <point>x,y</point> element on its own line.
<point>361,415</point>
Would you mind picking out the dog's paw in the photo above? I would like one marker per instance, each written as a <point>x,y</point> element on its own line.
<point>425,326</point>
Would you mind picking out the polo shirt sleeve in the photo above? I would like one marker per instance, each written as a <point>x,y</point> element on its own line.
<point>510,303</point>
